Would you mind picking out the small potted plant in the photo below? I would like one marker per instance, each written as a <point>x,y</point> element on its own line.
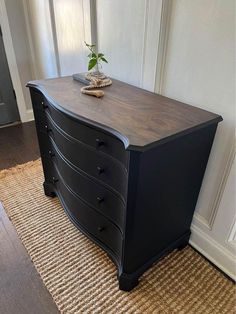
<point>93,79</point>
<point>95,59</point>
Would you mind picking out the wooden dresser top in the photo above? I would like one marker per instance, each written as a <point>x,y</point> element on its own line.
<point>138,117</point>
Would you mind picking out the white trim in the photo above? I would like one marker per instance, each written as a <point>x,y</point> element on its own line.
<point>144,48</point>
<point>213,251</point>
<point>12,64</point>
<point>54,36</point>
<point>152,20</point>
<point>29,34</point>
<point>90,21</point>
<point>208,223</point>
<point>221,187</point>
<point>30,115</point>
<point>200,221</point>
<point>231,240</point>
<point>162,44</point>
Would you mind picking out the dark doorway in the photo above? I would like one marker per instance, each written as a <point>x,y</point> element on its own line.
<point>8,107</point>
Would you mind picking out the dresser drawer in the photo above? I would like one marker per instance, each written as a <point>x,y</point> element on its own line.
<point>40,119</point>
<point>44,143</point>
<point>96,225</point>
<point>89,135</point>
<point>96,164</point>
<point>38,100</point>
<point>100,198</point>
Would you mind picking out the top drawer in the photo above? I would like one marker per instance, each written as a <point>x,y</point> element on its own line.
<point>100,140</point>
<point>88,135</point>
<point>38,100</point>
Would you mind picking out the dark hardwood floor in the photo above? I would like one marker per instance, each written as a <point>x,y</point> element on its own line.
<point>18,144</point>
<point>21,288</point>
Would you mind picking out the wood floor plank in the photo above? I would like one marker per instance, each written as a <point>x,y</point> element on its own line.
<point>18,144</point>
<point>21,288</point>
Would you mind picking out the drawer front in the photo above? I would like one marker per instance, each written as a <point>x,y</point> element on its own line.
<point>96,225</point>
<point>90,136</point>
<point>100,198</point>
<point>95,164</point>
<point>40,119</point>
<point>45,144</point>
<point>38,100</point>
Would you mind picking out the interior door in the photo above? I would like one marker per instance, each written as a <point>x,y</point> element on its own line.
<point>8,106</point>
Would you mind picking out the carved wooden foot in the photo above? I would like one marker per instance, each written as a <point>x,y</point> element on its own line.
<point>48,189</point>
<point>127,282</point>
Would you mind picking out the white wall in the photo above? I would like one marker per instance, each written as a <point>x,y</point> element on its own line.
<point>71,29</point>
<point>200,70</point>
<point>41,38</point>
<point>58,29</point>
<point>128,35</point>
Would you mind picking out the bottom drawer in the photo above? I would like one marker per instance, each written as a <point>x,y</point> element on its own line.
<point>100,229</point>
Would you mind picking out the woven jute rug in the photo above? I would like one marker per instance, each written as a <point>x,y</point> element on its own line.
<point>80,276</point>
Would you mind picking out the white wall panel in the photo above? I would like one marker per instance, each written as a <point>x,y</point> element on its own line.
<point>71,17</point>
<point>128,35</point>
<point>200,70</point>
<point>40,27</point>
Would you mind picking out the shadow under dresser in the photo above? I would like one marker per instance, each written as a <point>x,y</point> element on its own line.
<point>127,168</point>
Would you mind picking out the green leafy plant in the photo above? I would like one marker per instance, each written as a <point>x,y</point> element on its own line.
<point>95,59</point>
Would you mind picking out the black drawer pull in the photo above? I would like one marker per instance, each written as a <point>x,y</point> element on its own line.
<point>99,142</point>
<point>100,229</point>
<point>44,106</point>
<point>51,154</point>
<point>100,170</point>
<point>54,180</point>
<point>48,129</point>
<point>100,199</point>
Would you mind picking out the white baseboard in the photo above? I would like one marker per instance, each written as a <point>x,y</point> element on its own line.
<point>213,251</point>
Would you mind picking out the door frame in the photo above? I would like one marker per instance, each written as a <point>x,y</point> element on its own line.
<point>25,114</point>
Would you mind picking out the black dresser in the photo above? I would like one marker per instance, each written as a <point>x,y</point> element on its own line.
<point>127,168</point>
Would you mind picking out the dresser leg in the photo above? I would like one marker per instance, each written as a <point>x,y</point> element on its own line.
<point>127,282</point>
<point>48,189</point>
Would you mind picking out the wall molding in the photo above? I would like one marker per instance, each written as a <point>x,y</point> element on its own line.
<point>29,34</point>
<point>166,12</point>
<point>152,20</point>
<point>231,240</point>
<point>200,221</point>
<point>221,186</point>
<point>90,21</point>
<point>144,39</point>
<point>12,63</point>
<point>213,251</point>
<point>54,36</point>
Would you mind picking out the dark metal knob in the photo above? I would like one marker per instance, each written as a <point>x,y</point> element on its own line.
<point>100,229</point>
<point>48,129</point>
<point>51,154</point>
<point>54,180</point>
<point>44,105</point>
<point>100,170</point>
<point>100,199</point>
<point>99,142</point>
